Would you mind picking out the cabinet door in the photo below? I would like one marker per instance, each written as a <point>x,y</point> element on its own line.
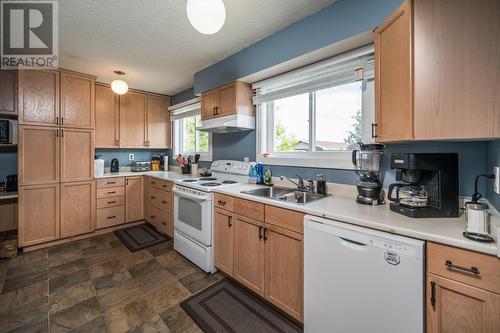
<point>224,244</point>
<point>8,215</point>
<point>134,199</point>
<point>457,86</point>
<point>158,122</point>
<point>133,120</point>
<point>8,92</point>
<point>209,101</point>
<point>38,157</point>
<point>78,211</point>
<point>77,101</point>
<point>77,154</point>
<point>456,307</point>
<point>107,118</point>
<point>393,85</point>
<point>284,263</point>
<point>227,100</point>
<point>38,214</point>
<point>249,253</point>
<point>38,97</point>
<point>146,201</point>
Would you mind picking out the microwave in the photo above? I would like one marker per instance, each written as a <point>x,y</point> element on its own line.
<point>8,131</point>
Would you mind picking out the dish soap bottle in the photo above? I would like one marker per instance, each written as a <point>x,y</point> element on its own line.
<point>268,177</point>
<point>253,174</point>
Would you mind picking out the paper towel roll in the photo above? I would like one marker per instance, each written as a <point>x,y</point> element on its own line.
<point>165,163</point>
<point>98,168</point>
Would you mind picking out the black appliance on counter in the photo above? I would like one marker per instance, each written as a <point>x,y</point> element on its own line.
<point>11,183</point>
<point>115,166</point>
<point>427,184</point>
<point>367,159</point>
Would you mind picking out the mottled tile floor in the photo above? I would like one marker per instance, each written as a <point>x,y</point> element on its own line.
<point>98,285</point>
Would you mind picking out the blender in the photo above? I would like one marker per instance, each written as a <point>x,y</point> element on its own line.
<point>367,159</point>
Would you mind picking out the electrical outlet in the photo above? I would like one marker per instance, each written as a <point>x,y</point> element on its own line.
<point>496,184</point>
<point>130,157</point>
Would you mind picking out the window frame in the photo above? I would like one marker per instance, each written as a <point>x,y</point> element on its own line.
<point>312,158</point>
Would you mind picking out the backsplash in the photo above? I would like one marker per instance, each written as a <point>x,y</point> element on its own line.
<point>8,164</point>
<point>493,161</point>
<point>122,155</point>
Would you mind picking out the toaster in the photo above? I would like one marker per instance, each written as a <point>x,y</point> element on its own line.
<point>138,166</point>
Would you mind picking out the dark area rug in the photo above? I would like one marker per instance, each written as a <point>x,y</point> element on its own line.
<point>226,307</point>
<point>140,237</point>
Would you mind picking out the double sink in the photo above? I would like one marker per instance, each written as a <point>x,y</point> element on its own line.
<point>285,194</point>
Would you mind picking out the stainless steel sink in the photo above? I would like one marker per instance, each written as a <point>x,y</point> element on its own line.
<point>285,194</point>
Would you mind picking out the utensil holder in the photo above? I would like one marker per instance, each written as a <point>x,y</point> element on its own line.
<point>186,170</point>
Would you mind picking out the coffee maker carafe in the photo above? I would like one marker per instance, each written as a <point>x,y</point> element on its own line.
<point>427,184</point>
<point>367,162</point>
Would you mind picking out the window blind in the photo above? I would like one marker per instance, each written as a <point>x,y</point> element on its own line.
<point>348,67</point>
<point>186,109</point>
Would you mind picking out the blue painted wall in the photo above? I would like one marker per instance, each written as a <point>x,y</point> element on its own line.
<point>122,155</point>
<point>8,164</point>
<point>493,161</point>
<point>341,20</point>
<point>183,96</point>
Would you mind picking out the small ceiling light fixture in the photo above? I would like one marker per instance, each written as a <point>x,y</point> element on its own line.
<point>206,16</point>
<point>120,87</point>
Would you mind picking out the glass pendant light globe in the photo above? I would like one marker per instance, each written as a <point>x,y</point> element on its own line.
<point>206,16</point>
<point>119,87</point>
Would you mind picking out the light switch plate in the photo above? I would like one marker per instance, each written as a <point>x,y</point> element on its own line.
<point>496,185</point>
<point>130,157</point>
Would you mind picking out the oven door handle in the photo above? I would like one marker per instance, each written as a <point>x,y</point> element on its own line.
<point>182,194</point>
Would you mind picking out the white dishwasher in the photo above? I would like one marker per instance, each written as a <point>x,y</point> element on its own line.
<point>359,280</point>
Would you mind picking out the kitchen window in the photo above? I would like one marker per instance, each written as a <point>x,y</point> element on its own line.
<point>187,139</point>
<point>314,116</point>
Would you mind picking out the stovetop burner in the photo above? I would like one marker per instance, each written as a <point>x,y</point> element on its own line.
<point>229,182</point>
<point>206,179</point>
<point>189,180</point>
<point>210,184</point>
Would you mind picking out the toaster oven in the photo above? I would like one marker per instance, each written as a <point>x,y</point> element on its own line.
<point>8,131</point>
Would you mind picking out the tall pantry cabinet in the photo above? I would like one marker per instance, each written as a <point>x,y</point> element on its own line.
<point>55,155</point>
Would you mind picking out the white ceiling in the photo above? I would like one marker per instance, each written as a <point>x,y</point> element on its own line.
<point>153,41</point>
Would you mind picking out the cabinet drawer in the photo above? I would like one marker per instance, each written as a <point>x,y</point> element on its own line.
<point>285,218</point>
<point>249,208</point>
<point>110,182</point>
<point>110,202</point>
<point>107,217</point>
<point>159,199</point>
<point>488,266</point>
<point>160,184</point>
<point>224,202</point>
<point>159,219</point>
<point>110,192</point>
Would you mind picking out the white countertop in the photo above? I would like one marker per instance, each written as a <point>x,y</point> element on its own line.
<point>342,207</point>
<point>165,175</point>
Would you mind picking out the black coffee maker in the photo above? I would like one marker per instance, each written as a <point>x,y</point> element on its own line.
<point>427,184</point>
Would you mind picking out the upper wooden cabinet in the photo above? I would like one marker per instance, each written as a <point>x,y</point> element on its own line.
<point>437,71</point>
<point>235,97</point>
<point>107,117</point>
<point>158,122</point>
<point>8,92</point>
<point>133,120</point>
<point>39,97</point>
<point>393,88</point>
<point>77,100</point>
<point>77,154</point>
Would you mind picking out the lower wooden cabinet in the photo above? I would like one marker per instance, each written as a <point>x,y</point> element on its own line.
<point>109,217</point>
<point>134,199</point>
<point>78,208</point>
<point>38,214</point>
<point>457,307</point>
<point>224,240</point>
<point>249,253</point>
<point>284,271</point>
<point>8,215</point>
<point>158,204</point>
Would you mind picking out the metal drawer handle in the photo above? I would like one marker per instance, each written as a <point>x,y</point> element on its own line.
<point>153,197</point>
<point>112,192</point>
<point>433,294</point>
<point>265,234</point>
<point>111,202</point>
<point>111,182</point>
<point>260,233</point>
<point>152,182</point>
<point>164,223</point>
<point>153,217</point>
<point>222,203</point>
<point>474,270</point>
<point>111,217</point>
<point>164,202</point>
<point>164,185</point>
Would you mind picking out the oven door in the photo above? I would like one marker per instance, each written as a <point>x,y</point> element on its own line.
<point>193,214</point>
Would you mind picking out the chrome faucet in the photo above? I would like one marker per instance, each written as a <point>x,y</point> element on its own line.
<point>300,185</point>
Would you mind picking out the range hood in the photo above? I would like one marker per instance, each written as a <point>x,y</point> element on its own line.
<point>228,124</point>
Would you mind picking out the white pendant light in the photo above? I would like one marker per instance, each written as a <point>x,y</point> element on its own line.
<point>206,16</point>
<point>120,87</point>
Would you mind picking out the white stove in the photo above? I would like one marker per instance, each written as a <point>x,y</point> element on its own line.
<point>193,210</point>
